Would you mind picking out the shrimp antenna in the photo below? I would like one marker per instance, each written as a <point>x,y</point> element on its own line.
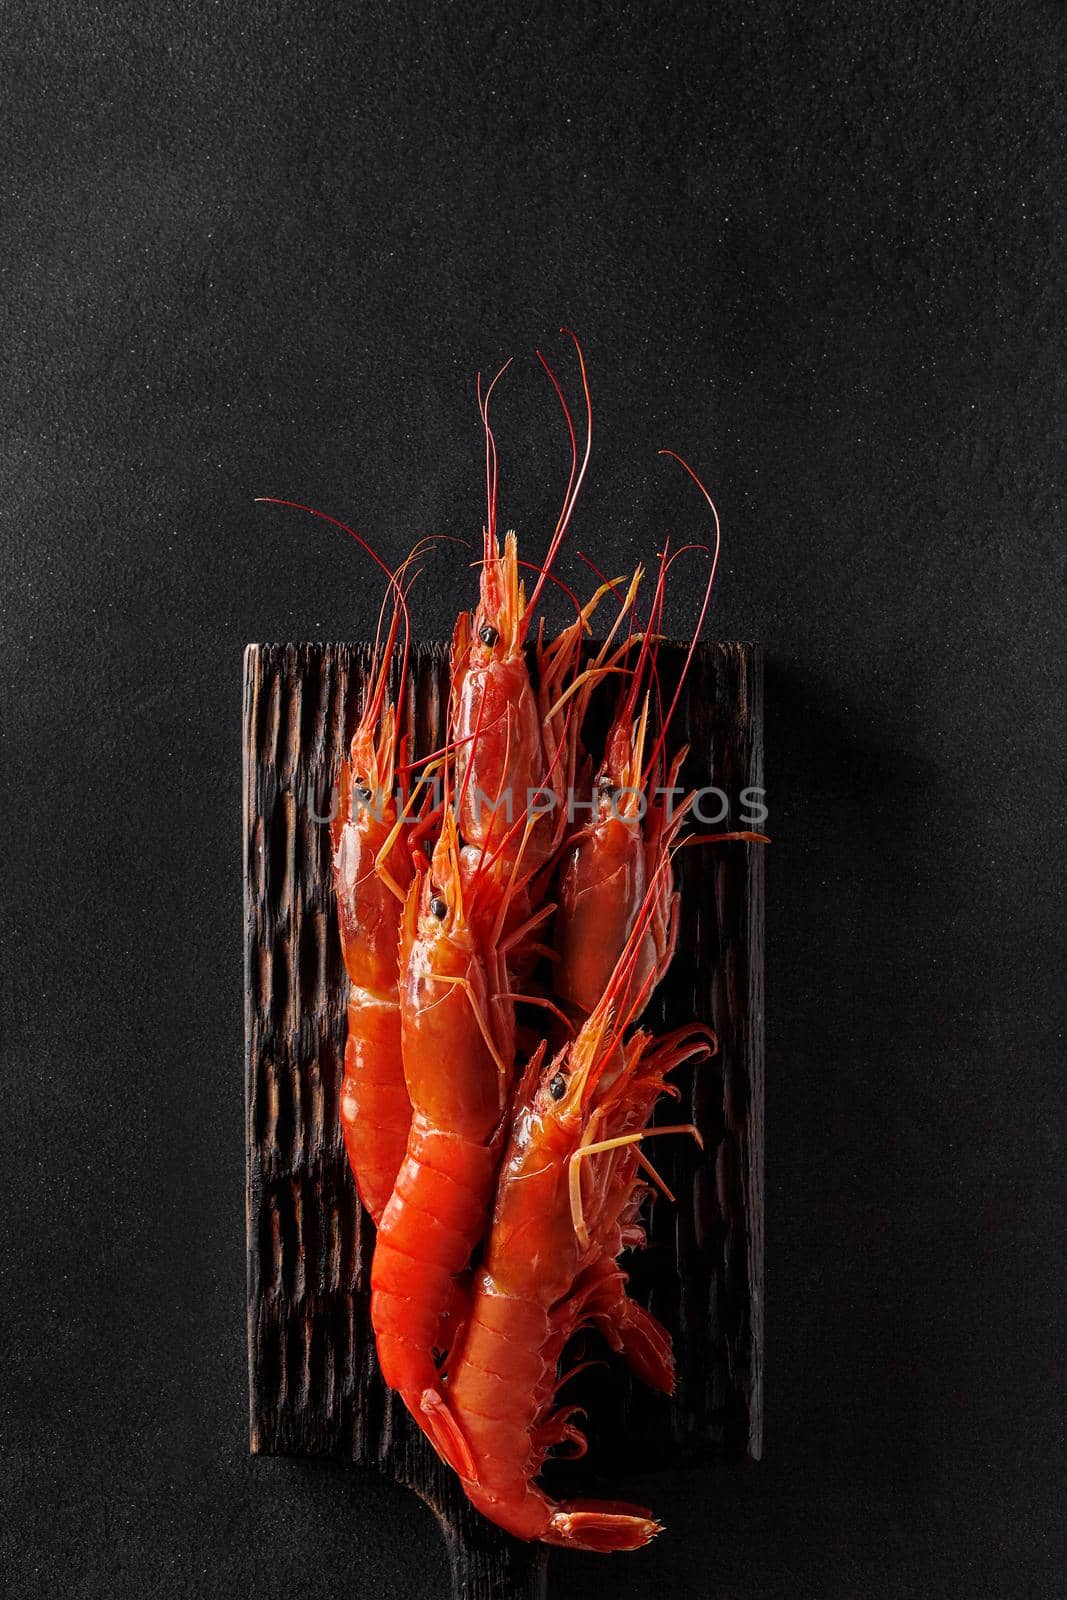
<point>646,656</point>
<point>613,585</point>
<point>668,558</point>
<point>642,635</point>
<point>416,553</point>
<point>403,582</point>
<point>492,474</point>
<point>658,747</point>
<point>574,482</point>
<point>324,516</point>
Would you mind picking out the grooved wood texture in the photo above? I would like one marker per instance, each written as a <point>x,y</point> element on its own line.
<point>314,1387</point>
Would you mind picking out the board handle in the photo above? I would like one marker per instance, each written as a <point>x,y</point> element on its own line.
<point>495,1567</point>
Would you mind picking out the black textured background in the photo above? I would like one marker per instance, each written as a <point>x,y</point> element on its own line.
<point>262,249</point>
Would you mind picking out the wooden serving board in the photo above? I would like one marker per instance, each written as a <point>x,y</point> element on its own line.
<point>314,1386</point>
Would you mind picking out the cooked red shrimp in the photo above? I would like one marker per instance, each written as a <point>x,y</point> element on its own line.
<point>373,868</point>
<point>564,1205</point>
<point>458,1032</point>
<point>608,862</point>
<point>507,750</point>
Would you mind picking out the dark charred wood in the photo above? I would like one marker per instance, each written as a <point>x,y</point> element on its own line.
<point>314,1386</point>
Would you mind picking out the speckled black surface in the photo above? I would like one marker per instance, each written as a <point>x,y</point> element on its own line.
<point>262,249</point>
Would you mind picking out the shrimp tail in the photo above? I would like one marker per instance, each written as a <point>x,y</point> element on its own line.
<point>602,1525</point>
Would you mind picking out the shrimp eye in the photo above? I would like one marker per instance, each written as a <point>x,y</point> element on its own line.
<point>488,635</point>
<point>558,1087</point>
<point>438,908</point>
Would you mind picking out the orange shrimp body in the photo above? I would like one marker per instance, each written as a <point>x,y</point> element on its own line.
<point>373,870</point>
<point>662,826</point>
<point>629,841</point>
<point>546,1274</point>
<point>512,854</point>
<point>458,1048</point>
<point>603,876</point>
